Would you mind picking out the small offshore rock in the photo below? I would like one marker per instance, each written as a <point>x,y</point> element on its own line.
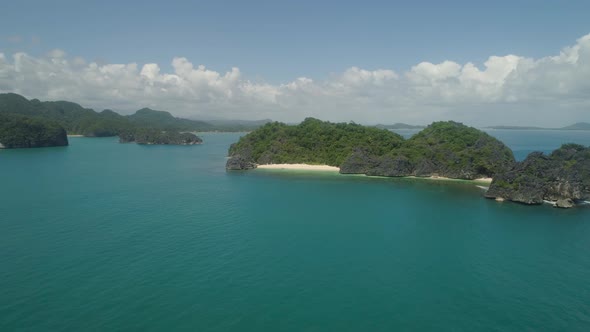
<point>564,203</point>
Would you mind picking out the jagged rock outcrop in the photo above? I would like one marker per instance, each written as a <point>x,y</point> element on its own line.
<point>562,177</point>
<point>359,162</point>
<point>564,203</point>
<point>238,163</point>
<point>392,166</point>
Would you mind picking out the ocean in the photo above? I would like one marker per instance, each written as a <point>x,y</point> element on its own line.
<point>102,236</point>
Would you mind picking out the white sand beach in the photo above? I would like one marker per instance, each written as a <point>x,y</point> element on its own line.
<point>442,178</point>
<point>307,167</point>
<point>303,167</point>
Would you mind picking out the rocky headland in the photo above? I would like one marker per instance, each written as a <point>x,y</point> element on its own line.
<point>561,178</point>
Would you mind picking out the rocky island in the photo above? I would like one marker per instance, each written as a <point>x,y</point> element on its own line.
<point>443,149</point>
<point>24,132</point>
<point>561,178</point>
<point>158,137</point>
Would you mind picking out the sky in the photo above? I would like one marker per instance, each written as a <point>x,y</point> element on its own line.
<point>501,62</point>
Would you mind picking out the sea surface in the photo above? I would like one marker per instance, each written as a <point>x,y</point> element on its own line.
<point>102,236</point>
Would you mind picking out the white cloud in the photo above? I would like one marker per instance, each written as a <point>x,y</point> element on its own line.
<point>56,53</point>
<point>508,89</point>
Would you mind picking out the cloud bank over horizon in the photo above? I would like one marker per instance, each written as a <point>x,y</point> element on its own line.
<point>511,89</point>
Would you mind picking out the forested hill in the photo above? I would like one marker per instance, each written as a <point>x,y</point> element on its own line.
<point>448,149</point>
<point>146,117</point>
<point>312,141</point>
<point>85,121</point>
<point>19,131</point>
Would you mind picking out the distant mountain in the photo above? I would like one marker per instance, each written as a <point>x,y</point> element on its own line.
<point>146,117</point>
<point>516,128</point>
<point>76,119</point>
<point>578,126</point>
<point>400,126</point>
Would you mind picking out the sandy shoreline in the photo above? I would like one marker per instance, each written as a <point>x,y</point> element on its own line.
<point>306,167</point>
<point>75,135</point>
<point>302,167</point>
<point>442,178</point>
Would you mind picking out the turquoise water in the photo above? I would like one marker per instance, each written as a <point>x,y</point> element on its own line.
<point>101,236</point>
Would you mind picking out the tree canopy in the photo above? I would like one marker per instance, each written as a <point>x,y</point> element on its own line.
<point>313,141</point>
<point>18,131</point>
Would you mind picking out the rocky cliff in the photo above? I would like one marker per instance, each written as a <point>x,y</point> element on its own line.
<point>562,177</point>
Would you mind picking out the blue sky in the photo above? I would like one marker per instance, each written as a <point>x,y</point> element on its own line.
<point>280,40</point>
<point>276,42</point>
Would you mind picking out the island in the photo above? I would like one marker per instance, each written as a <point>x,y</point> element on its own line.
<point>561,178</point>
<point>158,137</point>
<point>443,149</point>
<point>25,132</point>
<point>447,150</point>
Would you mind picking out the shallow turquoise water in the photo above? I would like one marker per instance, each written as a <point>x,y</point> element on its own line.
<point>105,236</point>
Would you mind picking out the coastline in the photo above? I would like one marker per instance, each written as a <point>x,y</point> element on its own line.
<point>442,178</point>
<point>300,167</point>
<point>326,168</point>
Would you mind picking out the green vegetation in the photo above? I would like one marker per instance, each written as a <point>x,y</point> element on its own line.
<point>454,148</point>
<point>76,119</point>
<point>313,142</point>
<point>18,131</point>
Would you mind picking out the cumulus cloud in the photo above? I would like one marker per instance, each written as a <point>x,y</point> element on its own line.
<point>507,89</point>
